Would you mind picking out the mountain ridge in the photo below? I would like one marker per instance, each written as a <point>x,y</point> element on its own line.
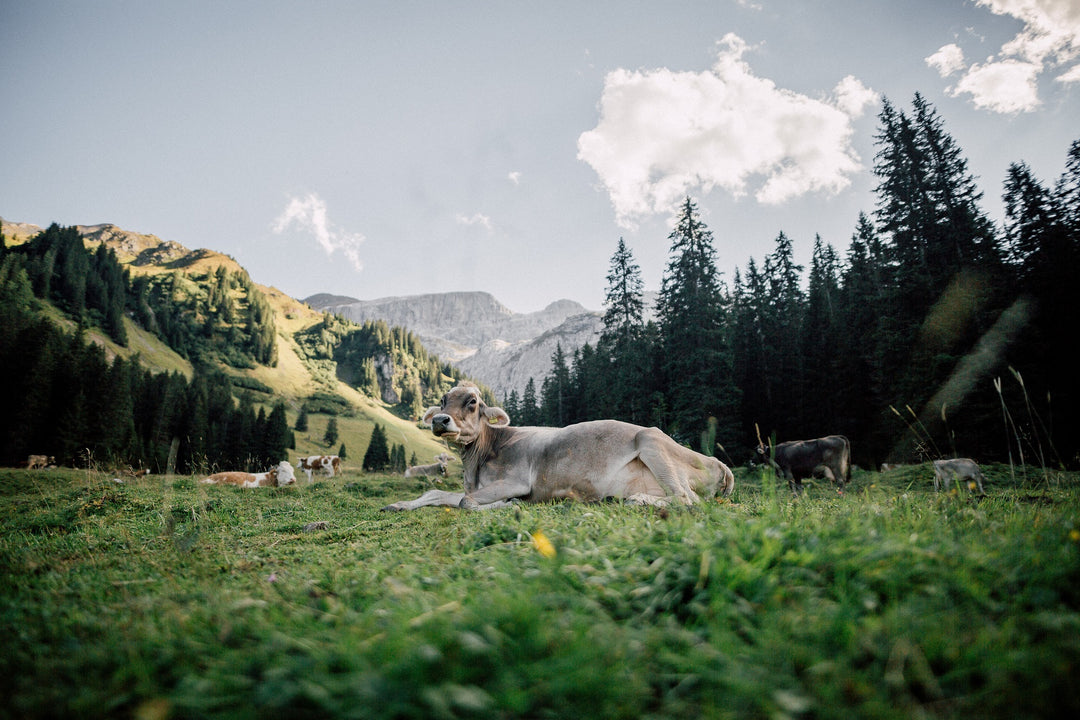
<point>477,333</point>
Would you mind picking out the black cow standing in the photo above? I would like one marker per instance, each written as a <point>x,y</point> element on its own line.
<point>799,459</point>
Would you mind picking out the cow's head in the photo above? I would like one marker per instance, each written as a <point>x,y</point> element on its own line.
<point>285,475</point>
<point>462,415</point>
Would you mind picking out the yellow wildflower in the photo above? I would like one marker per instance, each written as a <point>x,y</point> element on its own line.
<point>542,544</point>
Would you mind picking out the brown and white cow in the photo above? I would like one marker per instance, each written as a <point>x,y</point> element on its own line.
<point>275,477</point>
<point>39,461</point>
<point>960,469</point>
<point>796,460</point>
<point>587,461</point>
<point>437,468</point>
<point>330,464</point>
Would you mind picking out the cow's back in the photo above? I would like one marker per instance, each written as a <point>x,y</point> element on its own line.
<point>601,458</point>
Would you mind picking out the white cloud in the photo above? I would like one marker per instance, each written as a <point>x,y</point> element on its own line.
<point>852,97</point>
<point>1070,76</point>
<point>308,213</point>
<point>663,133</point>
<point>1008,83</point>
<point>478,219</point>
<point>514,177</point>
<point>947,60</point>
<point>1051,31</point>
<point>1007,86</point>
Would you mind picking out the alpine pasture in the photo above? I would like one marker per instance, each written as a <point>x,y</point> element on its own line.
<point>164,598</point>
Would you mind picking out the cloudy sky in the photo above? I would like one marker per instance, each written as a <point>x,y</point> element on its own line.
<point>395,148</point>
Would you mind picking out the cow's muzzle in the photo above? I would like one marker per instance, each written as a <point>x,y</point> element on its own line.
<point>443,424</point>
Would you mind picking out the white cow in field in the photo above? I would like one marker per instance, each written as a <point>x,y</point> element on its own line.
<point>330,464</point>
<point>960,469</point>
<point>39,461</point>
<point>587,461</point>
<point>275,477</point>
<point>436,468</point>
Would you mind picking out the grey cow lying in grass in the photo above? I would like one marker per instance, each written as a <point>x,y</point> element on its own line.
<point>587,461</point>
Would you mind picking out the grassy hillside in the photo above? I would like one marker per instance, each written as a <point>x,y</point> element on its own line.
<point>290,379</point>
<point>153,353</point>
<point>165,598</point>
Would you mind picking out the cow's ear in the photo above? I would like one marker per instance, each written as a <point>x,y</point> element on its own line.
<point>430,414</point>
<point>496,416</point>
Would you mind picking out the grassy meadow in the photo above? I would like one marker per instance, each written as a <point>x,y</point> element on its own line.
<point>164,598</point>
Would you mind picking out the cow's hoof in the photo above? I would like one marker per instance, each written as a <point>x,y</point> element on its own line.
<point>392,508</point>
<point>467,503</point>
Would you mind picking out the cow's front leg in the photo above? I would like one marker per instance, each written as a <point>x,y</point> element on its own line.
<point>500,491</point>
<point>431,497</point>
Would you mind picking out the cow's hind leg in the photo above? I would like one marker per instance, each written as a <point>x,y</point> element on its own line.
<point>652,454</point>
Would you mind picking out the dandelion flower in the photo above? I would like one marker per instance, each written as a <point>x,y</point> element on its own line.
<point>1074,535</point>
<point>542,544</point>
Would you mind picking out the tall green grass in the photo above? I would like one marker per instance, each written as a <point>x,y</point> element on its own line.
<point>166,598</point>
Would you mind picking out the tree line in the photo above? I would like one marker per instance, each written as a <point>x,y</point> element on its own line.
<point>937,333</point>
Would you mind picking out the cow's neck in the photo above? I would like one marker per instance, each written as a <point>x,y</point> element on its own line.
<point>478,452</point>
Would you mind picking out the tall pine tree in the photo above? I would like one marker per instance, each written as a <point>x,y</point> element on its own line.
<point>692,311</point>
<point>622,354</point>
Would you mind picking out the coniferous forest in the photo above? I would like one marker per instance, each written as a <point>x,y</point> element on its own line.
<point>939,333</point>
<point>64,397</point>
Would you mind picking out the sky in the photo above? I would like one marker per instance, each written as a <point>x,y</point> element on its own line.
<point>376,149</point>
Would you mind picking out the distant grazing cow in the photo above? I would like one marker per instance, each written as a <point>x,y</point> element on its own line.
<point>587,461</point>
<point>436,468</point>
<point>330,464</point>
<point>275,477</point>
<point>961,469</point>
<point>39,461</point>
<point>828,457</point>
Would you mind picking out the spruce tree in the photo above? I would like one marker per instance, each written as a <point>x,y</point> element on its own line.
<point>377,456</point>
<point>820,339</point>
<point>782,320</point>
<point>752,358</point>
<point>945,256</point>
<point>618,380</point>
<point>556,391</point>
<point>530,410</point>
<point>623,301</point>
<point>278,437</point>
<point>512,407</point>
<point>301,420</point>
<point>697,363</point>
<point>331,435</point>
<point>865,351</point>
<point>1067,194</point>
